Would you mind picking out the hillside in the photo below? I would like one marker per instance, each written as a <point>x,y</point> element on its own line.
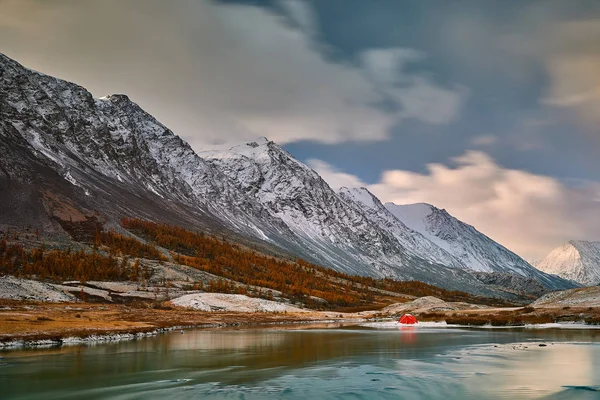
<point>224,267</point>
<point>71,160</point>
<point>575,260</point>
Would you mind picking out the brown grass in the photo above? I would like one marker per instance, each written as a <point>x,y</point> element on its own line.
<point>53,321</point>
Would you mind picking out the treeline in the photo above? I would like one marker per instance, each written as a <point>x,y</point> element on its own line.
<point>108,260</point>
<point>298,280</point>
<point>294,280</point>
<point>61,265</point>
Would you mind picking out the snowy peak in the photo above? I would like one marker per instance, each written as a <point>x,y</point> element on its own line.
<point>412,215</point>
<point>476,251</point>
<point>361,196</point>
<point>575,260</point>
<point>109,155</point>
<point>413,241</point>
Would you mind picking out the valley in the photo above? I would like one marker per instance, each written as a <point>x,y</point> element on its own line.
<point>111,223</point>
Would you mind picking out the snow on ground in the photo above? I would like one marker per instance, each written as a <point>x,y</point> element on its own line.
<point>427,325</point>
<point>231,302</point>
<point>119,287</point>
<point>396,325</point>
<point>24,289</point>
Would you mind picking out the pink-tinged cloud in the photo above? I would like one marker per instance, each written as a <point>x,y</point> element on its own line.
<point>528,213</point>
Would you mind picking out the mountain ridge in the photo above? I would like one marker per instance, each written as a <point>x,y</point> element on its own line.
<point>69,155</point>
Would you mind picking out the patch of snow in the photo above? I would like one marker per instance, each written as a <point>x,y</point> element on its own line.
<point>70,178</point>
<point>88,291</point>
<point>231,302</point>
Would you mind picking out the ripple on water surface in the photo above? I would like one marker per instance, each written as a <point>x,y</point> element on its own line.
<point>355,363</point>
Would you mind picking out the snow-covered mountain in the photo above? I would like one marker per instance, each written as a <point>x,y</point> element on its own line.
<point>111,156</point>
<point>415,243</point>
<point>575,260</point>
<point>471,249</point>
<point>324,224</point>
<point>69,157</point>
<point>474,250</point>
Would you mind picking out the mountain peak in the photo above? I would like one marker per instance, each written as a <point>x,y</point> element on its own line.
<point>578,260</point>
<point>362,195</point>
<point>131,164</point>
<point>261,141</point>
<point>115,98</point>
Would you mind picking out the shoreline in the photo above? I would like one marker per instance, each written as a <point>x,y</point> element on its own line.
<point>20,343</point>
<point>27,325</point>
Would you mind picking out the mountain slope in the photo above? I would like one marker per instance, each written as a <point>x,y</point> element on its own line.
<point>69,158</point>
<point>352,230</point>
<point>575,260</point>
<point>319,219</point>
<point>108,155</point>
<point>413,241</point>
<point>473,250</point>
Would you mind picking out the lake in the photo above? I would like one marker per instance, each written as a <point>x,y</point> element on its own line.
<point>377,361</point>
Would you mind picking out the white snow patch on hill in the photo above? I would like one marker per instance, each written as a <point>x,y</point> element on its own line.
<point>231,302</point>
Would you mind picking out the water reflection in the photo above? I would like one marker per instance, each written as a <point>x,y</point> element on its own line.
<point>408,334</point>
<point>321,363</point>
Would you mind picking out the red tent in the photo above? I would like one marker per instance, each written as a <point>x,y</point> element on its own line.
<point>408,319</point>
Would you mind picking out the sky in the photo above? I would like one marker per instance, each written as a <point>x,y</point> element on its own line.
<point>487,108</point>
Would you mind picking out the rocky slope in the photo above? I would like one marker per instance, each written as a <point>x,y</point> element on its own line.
<point>581,297</point>
<point>472,249</point>
<point>576,260</point>
<point>349,229</point>
<point>69,158</point>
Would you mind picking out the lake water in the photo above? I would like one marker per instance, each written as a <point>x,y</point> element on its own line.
<point>341,362</point>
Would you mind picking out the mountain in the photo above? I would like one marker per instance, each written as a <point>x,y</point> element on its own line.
<point>70,157</point>
<point>575,260</point>
<point>472,249</point>
<point>326,226</point>
<point>414,242</point>
<point>70,160</point>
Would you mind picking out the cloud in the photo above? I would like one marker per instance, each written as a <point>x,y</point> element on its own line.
<point>216,72</point>
<point>484,140</point>
<point>568,50</point>
<point>334,177</point>
<point>570,54</point>
<point>554,44</point>
<point>301,14</point>
<point>418,96</point>
<point>528,213</point>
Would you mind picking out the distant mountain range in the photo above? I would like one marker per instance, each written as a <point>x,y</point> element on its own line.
<point>67,157</point>
<point>575,260</point>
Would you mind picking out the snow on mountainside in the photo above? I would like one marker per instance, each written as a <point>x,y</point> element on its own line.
<point>67,156</point>
<point>413,241</point>
<point>575,260</point>
<point>473,250</point>
<point>351,229</point>
<point>297,195</point>
<point>120,157</point>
